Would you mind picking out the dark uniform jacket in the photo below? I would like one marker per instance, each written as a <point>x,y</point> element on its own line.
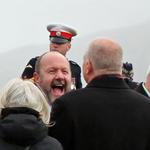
<point>105,115</point>
<point>20,128</point>
<point>141,90</point>
<point>75,70</point>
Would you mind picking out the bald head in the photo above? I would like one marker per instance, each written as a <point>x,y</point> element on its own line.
<point>105,57</point>
<point>49,58</point>
<point>53,74</point>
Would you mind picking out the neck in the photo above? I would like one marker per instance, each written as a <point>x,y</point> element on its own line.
<point>147,86</point>
<point>117,74</point>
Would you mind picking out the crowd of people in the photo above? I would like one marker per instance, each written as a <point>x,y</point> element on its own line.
<point>48,109</point>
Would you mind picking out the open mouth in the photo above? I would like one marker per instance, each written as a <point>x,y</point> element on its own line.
<point>58,88</point>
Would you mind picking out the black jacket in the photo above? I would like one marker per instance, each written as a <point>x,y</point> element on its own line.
<point>21,128</point>
<point>75,71</point>
<point>105,115</point>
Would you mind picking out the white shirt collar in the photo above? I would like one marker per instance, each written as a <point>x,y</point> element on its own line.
<point>145,89</point>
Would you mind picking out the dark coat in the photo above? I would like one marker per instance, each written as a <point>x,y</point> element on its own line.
<point>105,115</point>
<point>141,90</point>
<point>131,83</point>
<point>21,128</point>
<point>75,71</point>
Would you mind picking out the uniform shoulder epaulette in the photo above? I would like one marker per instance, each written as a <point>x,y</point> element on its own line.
<point>31,62</point>
<point>72,62</point>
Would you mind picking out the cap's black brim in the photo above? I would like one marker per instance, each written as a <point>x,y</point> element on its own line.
<point>58,40</point>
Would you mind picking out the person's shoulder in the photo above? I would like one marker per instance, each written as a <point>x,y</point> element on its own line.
<point>132,84</point>
<point>49,142</point>
<point>139,86</point>
<point>31,63</point>
<point>34,59</point>
<point>73,94</point>
<point>73,63</point>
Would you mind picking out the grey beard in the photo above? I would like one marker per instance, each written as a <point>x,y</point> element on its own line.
<point>48,95</point>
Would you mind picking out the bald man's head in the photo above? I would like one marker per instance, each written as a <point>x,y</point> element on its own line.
<point>53,74</point>
<point>103,56</point>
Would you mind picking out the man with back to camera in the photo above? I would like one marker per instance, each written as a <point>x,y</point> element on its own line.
<point>106,114</point>
<point>60,40</point>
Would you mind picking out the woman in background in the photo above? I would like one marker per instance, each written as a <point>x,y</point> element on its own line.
<point>25,115</point>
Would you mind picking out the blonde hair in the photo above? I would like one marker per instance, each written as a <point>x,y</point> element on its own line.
<point>23,93</point>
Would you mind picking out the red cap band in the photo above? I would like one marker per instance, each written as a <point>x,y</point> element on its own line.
<point>60,34</point>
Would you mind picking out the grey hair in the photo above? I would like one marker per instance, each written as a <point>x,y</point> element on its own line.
<point>105,54</point>
<point>23,93</point>
<point>37,64</point>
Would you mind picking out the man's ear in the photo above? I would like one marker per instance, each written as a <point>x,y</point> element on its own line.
<point>89,67</point>
<point>36,77</point>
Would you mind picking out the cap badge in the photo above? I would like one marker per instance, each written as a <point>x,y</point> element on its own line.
<point>58,33</point>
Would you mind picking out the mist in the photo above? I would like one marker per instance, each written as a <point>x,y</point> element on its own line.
<point>23,33</point>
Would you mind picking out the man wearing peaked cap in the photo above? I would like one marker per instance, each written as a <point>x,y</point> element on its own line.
<point>61,34</point>
<point>60,37</point>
